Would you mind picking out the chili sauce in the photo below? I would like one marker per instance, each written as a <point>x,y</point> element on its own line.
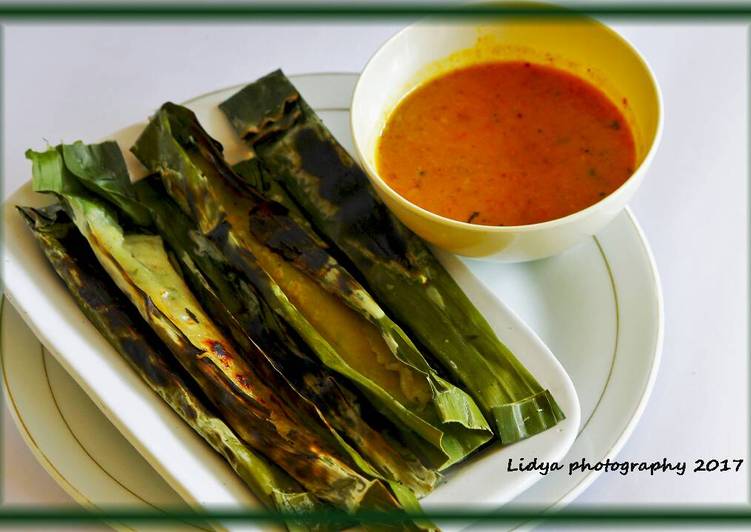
<point>505,143</point>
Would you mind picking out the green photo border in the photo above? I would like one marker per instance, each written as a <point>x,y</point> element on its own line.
<point>365,11</point>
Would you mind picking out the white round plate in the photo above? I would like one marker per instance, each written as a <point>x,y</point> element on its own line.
<point>597,307</point>
<point>68,433</point>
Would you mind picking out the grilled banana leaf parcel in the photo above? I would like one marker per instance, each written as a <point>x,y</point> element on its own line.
<point>234,304</point>
<point>317,298</point>
<point>116,318</point>
<point>320,176</point>
<point>251,397</point>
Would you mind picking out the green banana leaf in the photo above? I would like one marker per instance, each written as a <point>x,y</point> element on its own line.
<point>100,167</point>
<point>328,185</point>
<point>262,239</point>
<point>116,319</point>
<point>235,304</point>
<point>252,172</point>
<point>252,398</point>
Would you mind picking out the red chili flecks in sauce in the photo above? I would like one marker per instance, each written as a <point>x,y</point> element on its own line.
<point>507,143</point>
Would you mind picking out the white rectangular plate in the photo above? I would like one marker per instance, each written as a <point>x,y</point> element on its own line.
<point>179,455</point>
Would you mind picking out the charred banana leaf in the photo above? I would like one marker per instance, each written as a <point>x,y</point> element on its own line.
<point>253,399</point>
<point>115,317</point>
<point>252,172</point>
<point>235,304</point>
<point>320,176</point>
<point>295,275</point>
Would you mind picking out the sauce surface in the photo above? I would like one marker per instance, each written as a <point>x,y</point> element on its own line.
<point>506,143</point>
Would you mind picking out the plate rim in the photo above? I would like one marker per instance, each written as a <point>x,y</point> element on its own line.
<point>654,368</point>
<point>68,485</point>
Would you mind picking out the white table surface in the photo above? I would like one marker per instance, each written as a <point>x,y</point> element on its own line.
<point>83,81</point>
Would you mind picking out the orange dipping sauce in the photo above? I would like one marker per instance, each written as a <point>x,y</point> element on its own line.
<point>506,143</point>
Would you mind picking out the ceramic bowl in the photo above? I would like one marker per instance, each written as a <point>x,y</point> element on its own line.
<point>577,44</point>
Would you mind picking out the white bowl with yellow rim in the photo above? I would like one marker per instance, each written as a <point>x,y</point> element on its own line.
<point>573,43</point>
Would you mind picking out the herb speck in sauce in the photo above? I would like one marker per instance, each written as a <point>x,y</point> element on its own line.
<point>510,142</point>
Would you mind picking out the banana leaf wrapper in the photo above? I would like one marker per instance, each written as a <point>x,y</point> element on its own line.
<point>254,401</point>
<point>248,228</point>
<point>235,304</point>
<point>327,184</point>
<point>116,319</point>
<point>253,173</point>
